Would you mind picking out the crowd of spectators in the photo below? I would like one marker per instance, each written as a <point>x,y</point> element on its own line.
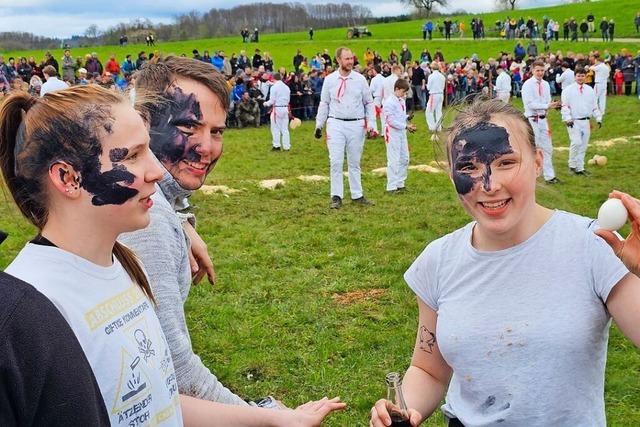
<point>250,77</point>
<point>511,28</point>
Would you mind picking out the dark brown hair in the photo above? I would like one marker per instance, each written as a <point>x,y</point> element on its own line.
<point>50,71</point>
<point>537,63</point>
<point>153,80</point>
<point>30,141</point>
<point>401,84</point>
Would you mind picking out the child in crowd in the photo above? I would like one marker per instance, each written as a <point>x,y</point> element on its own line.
<point>395,137</point>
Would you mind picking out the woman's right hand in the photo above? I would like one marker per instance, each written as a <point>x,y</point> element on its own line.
<point>627,250</point>
<point>380,416</point>
<point>311,414</point>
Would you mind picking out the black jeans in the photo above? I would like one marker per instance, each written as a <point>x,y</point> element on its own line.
<point>454,422</point>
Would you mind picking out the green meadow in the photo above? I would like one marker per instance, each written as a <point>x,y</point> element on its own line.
<point>282,46</point>
<point>310,301</point>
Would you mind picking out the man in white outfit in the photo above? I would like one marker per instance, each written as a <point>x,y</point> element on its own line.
<point>503,85</point>
<point>389,82</point>
<point>375,86</point>
<point>53,83</point>
<point>578,106</point>
<point>601,76</point>
<point>567,77</point>
<point>346,106</point>
<point>435,87</point>
<point>279,99</point>
<point>536,97</point>
<point>395,137</point>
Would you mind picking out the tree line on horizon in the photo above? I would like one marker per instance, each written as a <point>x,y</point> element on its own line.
<point>217,22</point>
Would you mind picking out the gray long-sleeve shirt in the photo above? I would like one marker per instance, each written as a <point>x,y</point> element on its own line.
<point>163,249</point>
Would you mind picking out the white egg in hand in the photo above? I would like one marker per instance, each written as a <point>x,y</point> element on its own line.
<point>612,215</point>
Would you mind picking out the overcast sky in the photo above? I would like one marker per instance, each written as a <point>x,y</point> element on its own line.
<point>63,18</point>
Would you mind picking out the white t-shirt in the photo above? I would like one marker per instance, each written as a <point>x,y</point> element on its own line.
<point>117,328</point>
<point>524,329</point>
<point>51,85</point>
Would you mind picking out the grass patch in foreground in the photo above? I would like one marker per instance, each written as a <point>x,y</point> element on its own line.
<point>311,302</point>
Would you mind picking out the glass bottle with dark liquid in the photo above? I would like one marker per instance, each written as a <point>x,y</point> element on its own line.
<point>398,411</point>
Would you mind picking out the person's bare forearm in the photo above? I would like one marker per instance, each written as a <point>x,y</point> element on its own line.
<point>422,391</point>
<point>204,413</point>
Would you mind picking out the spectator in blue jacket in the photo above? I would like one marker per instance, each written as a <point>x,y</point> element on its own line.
<point>217,61</point>
<point>128,66</point>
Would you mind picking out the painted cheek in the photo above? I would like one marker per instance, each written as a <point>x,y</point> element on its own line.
<point>463,183</point>
<point>106,187</point>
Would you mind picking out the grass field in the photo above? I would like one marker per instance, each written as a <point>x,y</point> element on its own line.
<point>311,302</point>
<point>391,36</point>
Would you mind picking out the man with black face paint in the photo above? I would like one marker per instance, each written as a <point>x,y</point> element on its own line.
<point>186,137</point>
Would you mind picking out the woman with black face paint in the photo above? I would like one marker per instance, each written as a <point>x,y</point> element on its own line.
<point>78,165</point>
<point>515,307</point>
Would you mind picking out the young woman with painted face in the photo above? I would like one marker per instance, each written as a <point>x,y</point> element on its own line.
<point>515,307</point>
<point>78,165</point>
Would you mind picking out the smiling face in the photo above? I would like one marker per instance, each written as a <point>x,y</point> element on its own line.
<point>345,60</point>
<point>186,134</point>
<point>494,170</point>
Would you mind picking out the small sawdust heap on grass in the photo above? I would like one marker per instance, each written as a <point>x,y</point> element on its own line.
<point>220,189</point>
<point>354,297</point>
<point>271,184</point>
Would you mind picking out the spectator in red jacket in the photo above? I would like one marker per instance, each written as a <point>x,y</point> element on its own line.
<point>112,66</point>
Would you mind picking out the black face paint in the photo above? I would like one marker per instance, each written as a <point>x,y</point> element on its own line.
<point>482,143</point>
<point>78,144</point>
<point>118,154</point>
<point>169,143</point>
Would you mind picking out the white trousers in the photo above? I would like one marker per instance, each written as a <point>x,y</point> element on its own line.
<point>579,137</point>
<point>543,141</point>
<point>397,157</point>
<point>280,127</point>
<point>601,96</point>
<point>345,137</point>
<point>503,96</point>
<point>433,112</point>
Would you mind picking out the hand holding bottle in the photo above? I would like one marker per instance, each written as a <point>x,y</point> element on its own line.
<point>393,410</point>
<point>385,414</point>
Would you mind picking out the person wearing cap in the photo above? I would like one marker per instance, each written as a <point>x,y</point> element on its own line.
<point>503,85</point>
<point>578,106</point>
<point>346,107</point>
<point>280,96</point>
<point>82,77</point>
<point>435,87</point>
